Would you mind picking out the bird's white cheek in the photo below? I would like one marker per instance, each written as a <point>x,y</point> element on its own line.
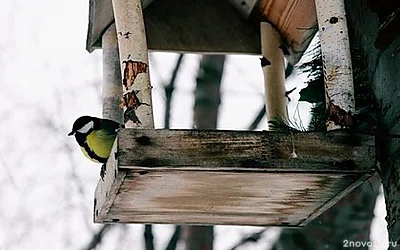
<point>86,128</point>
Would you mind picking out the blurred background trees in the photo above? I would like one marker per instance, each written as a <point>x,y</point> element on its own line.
<point>47,80</point>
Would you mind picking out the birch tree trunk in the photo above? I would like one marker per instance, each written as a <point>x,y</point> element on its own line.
<point>273,65</point>
<point>134,62</point>
<point>112,89</point>
<point>207,101</point>
<point>338,72</point>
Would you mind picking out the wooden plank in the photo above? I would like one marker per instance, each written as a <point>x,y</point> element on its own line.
<point>209,197</point>
<point>295,19</point>
<point>209,26</point>
<point>101,16</point>
<point>229,177</point>
<point>106,191</point>
<point>185,26</point>
<point>346,190</point>
<point>205,26</point>
<point>245,151</point>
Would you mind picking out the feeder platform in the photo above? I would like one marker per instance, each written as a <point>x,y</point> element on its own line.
<point>229,177</point>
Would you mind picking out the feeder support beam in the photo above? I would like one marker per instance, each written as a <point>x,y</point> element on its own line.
<point>136,100</point>
<point>112,90</point>
<point>338,76</point>
<point>273,65</point>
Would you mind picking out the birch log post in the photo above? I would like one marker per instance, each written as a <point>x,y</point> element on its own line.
<point>136,100</point>
<point>112,90</point>
<point>273,66</point>
<point>338,76</point>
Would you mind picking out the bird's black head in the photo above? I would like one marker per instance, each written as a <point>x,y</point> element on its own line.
<point>84,125</point>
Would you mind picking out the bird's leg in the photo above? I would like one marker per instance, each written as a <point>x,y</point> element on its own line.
<point>103,171</point>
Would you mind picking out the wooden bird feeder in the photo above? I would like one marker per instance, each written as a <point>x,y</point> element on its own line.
<point>224,177</point>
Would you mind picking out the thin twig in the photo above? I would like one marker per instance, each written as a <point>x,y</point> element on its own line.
<point>169,89</point>
<point>98,237</point>
<point>253,238</point>
<point>174,239</point>
<point>258,118</point>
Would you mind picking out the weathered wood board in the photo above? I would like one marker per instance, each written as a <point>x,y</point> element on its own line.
<point>185,26</point>
<point>229,177</point>
<point>209,26</point>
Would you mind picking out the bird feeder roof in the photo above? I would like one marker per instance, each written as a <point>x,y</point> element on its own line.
<point>209,26</point>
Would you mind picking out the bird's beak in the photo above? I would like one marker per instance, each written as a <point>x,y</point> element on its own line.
<point>71,133</point>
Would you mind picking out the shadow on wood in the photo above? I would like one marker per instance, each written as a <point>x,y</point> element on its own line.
<point>229,177</point>
<point>208,26</point>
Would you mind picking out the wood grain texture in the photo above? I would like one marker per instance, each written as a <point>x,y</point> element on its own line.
<point>106,191</point>
<point>339,196</point>
<point>295,19</point>
<point>208,197</point>
<point>229,177</point>
<point>243,150</point>
<point>209,26</point>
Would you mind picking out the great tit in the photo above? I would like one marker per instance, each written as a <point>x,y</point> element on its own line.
<point>96,137</point>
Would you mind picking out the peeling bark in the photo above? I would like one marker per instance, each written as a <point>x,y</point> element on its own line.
<point>134,64</point>
<point>339,117</point>
<point>338,73</point>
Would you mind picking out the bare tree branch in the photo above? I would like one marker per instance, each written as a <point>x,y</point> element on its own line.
<point>252,238</point>
<point>174,239</point>
<point>98,237</point>
<point>148,237</point>
<point>169,89</point>
<point>258,118</point>
<point>7,170</point>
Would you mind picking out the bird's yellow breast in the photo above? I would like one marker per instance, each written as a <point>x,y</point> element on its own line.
<point>100,142</point>
<point>85,153</point>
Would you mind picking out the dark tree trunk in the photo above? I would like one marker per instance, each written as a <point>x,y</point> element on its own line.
<point>207,94</point>
<point>373,27</point>
<point>207,101</point>
<point>376,59</point>
<point>169,89</point>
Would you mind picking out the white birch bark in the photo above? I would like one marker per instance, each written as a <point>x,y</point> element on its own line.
<point>273,65</point>
<point>111,84</point>
<point>137,103</point>
<point>338,76</point>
